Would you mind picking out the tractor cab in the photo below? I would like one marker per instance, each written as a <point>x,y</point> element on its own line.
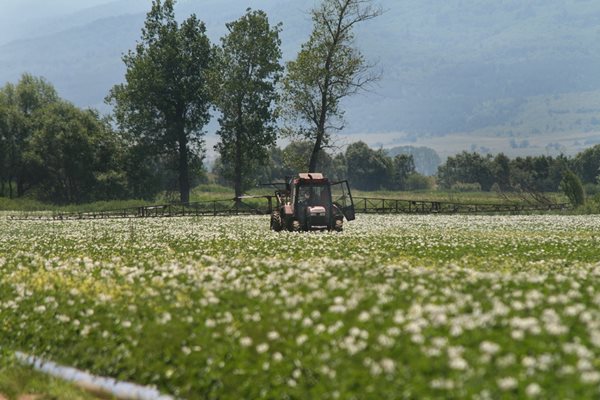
<point>311,202</point>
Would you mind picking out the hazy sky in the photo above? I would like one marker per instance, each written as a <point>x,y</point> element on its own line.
<point>18,18</point>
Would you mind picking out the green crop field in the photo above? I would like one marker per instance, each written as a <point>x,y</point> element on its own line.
<point>394,307</point>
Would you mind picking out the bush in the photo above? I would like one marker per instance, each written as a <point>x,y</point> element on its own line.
<point>572,188</point>
<point>417,181</point>
<point>591,189</point>
<point>466,187</point>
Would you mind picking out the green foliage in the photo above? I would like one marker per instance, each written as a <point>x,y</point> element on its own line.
<point>591,189</point>
<point>416,181</point>
<point>20,106</point>
<point>165,101</point>
<point>246,75</point>
<point>296,156</point>
<point>466,187</point>
<point>403,167</point>
<point>591,206</point>
<point>572,188</point>
<point>20,382</point>
<point>53,151</point>
<point>466,168</point>
<point>71,156</point>
<point>530,174</point>
<point>587,164</point>
<point>426,160</point>
<point>368,169</point>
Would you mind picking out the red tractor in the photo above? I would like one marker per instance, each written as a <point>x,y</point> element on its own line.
<point>311,202</point>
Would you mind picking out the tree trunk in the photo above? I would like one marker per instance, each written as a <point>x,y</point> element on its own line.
<point>314,156</point>
<point>238,170</point>
<point>20,187</point>
<point>184,175</point>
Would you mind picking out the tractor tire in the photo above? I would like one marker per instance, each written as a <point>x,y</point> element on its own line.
<point>295,226</point>
<point>339,225</point>
<point>276,224</point>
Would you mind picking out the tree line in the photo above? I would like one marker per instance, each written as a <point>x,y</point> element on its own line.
<point>175,78</point>
<point>57,152</point>
<point>473,171</point>
<point>365,168</point>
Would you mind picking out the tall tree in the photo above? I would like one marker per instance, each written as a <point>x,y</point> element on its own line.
<point>21,105</point>
<point>328,68</point>
<point>587,164</point>
<point>247,71</point>
<point>403,167</point>
<point>297,153</point>
<point>165,101</point>
<point>72,155</point>
<point>3,145</point>
<point>368,169</point>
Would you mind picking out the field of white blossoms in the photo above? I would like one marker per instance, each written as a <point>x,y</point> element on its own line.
<point>394,307</point>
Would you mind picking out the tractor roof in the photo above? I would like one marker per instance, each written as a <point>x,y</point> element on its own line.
<point>311,176</point>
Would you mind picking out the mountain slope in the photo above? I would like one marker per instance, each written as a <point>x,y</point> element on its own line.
<point>479,68</point>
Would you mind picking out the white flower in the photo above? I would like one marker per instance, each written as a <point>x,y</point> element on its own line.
<point>533,390</point>
<point>458,363</point>
<point>507,383</point>
<point>246,341</point>
<point>364,316</point>
<point>63,318</point>
<point>210,323</point>
<point>385,341</point>
<point>262,348</point>
<point>489,347</point>
<point>388,365</point>
<point>301,339</point>
<point>590,377</point>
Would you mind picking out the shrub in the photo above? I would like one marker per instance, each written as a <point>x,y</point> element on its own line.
<point>466,187</point>
<point>572,188</point>
<point>416,181</point>
<point>591,189</point>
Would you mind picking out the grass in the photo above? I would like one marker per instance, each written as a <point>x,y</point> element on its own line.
<point>212,192</point>
<point>395,306</point>
<point>17,381</point>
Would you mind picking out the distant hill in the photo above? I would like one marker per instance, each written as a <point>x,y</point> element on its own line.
<point>487,75</point>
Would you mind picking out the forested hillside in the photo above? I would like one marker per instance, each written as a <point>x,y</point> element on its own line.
<point>524,74</point>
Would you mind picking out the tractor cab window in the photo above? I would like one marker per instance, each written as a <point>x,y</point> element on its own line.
<point>314,195</point>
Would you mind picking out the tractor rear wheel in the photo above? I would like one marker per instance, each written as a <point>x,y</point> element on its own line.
<point>339,225</point>
<point>276,224</point>
<point>295,226</point>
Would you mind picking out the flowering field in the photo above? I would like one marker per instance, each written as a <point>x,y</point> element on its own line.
<point>394,307</point>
